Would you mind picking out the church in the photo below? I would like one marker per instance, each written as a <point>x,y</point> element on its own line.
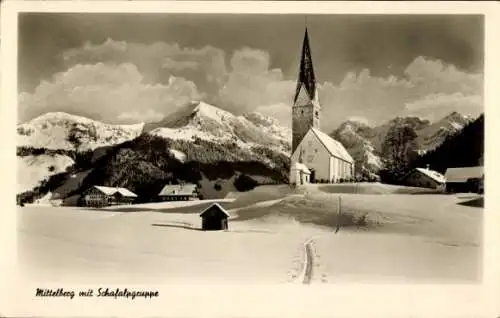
<point>316,157</point>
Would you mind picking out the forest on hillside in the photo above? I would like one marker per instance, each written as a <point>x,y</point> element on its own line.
<point>462,149</point>
<point>145,164</point>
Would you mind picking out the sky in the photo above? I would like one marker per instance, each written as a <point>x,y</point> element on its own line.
<point>130,68</point>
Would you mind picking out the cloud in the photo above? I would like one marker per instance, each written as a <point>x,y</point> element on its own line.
<point>111,93</point>
<point>251,84</point>
<point>121,81</point>
<point>158,61</point>
<point>429,88</point>
<point>437,106</point>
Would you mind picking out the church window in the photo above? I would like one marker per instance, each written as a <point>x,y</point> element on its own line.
<point>317,114</point>
<point>302,112</point>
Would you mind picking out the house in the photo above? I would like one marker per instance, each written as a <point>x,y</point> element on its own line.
<point>98,196</point>
<point>326,158</point>
<point>214,218</point>
<point>424,178</point>
<point>179,192</point>
<point>464,179</point>
<point>299,174</point>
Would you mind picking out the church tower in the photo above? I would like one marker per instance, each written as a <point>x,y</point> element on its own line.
<point>306,107</point>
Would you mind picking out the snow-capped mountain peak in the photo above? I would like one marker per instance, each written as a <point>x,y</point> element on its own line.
<point>208,122</point>
<point>60,130</point>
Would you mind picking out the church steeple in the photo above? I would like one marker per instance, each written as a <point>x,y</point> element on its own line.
<point>306,107</point>
<point>306,79</point>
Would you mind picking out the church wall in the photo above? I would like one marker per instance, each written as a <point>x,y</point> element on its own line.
<point>318,160</point>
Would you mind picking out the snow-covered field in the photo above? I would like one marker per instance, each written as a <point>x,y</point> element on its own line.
<point>383,238</point>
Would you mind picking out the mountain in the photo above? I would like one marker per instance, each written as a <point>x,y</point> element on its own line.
<point>433,135</point>
<point>364,142</point>
<point>200,143</point>
<point>357,137</point>
<point>207,122</point>
<point>462,149</point>
<point>60,130</point>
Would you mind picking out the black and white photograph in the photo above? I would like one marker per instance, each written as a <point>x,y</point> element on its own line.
<point>254,149</point>
<point>214,148</point>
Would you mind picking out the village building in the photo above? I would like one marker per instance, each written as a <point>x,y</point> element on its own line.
<point>179,192</point>
<point>464,179</point>
<point>214,218</point>
<point>326,159</point>
<point>299,174</point>
<point>424,178</point>
<point>99,196</point>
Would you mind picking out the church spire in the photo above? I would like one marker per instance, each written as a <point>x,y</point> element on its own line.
<point>306,73</point>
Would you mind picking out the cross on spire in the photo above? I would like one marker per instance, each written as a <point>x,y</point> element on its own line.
<point>306,73</point>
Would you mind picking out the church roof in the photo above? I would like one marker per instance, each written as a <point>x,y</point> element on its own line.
<point>113,190</point>
<point>334,147</point>
<point>462,174</point>
<point>301,167</point>
<point>306,74</point>
<point>432,174</point>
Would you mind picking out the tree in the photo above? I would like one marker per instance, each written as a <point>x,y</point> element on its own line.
<point>399,150</point>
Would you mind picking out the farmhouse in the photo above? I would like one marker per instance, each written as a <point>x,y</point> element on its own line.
<point>424,178</point>
<point>178,192</point>
<point>98,196</point>
<point>326,158</point>
<point>214,218</point>
<point>464,179</point>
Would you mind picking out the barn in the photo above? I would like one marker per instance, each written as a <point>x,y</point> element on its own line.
<point>179,192</point>
<point>464,179</point>
<point>98,196</point>
<point>214,218</point>
<point>424,178</point>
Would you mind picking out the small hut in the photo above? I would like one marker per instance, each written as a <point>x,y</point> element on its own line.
<point>214,218</point>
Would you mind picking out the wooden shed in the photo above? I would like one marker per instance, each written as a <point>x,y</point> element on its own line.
<point>214,218</point>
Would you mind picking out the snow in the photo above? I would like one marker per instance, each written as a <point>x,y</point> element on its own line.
<point>179,155</point>
<point>210,123</point>
<point>152,247</point>
<point>53,131</point>
<point>212,112</point>
<point>419,238</point>
<point>32,170</point>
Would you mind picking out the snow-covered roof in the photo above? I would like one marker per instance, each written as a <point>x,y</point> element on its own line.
<point>463,174</point>
<point>178,189</point>
<point>216,205</point>
<point>301,167</point>
<point>112,190</point>
<point>334,147</point>
<point>436,176</point>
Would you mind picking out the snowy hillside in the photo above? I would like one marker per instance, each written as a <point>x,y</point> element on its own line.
<point>32,170</point>
<point>356,137</point>
<point>69,132</point>
<point>207,122</point>
<point>433,135</point>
